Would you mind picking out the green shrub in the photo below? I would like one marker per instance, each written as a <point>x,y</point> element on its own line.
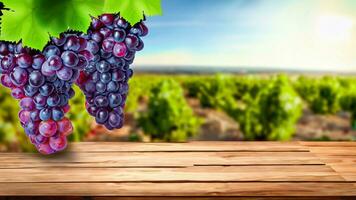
<point>348,103</point>
<point>272,115</point>
<point>217,92</point>
<point>169,117</point>
<point>322,95</point>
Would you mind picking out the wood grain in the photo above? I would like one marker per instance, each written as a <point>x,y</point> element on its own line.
<point>189,174</point>
<point>196,170</point>
<point>187,147</point>
<point>158,159</point>
<point>179,189</point>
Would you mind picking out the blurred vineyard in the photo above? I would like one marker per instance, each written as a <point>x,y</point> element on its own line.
<point>177,108</point>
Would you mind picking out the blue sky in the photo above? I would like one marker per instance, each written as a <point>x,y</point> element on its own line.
<point>303,34</point>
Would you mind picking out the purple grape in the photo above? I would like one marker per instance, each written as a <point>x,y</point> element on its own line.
<point>65,73</point>
<point>108,44</point>
<point>101,116</point>
<point>70,59</point>
<point>38,61</point>
<point>51,50</point>
<point>101,101</point>
<point>19,76</point>
<point>7,64</point>
<point>36,79</point>
<point>107,19</point>
<point>131,41</point>
<point>24,60</point>
<point>17,93</point>
<point>27,103</point>
<point>119,50</point>
<point>54,62</point>
<point>103,66</point>
<point>72,43</point>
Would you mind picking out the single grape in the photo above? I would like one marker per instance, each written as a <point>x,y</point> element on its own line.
<point>131,41</point>
<point>65,73</point>
<point>103,66</point>
<point>36,79</point>
<point>51,50</point>
<point>121,23</point>
<point>17,93</point>
<point>48,128</point>
<point>114,119</point>
<point>45,148</point>
<point>119,50</point>
<point>92,47</point>
<point>54,62</point>
<point>7,64</point>
<point>24,60</point>
<point>47,70</point>
<point>100,87</point>
<point>57,114</point>
<point>38,61</point>
<point>46,89</point>
<point>27,103</point>
<point>108,44</point>
<point>105,77</point>
<point>53,100</point>
<point>6,81</point>
<point>119,35</point>
<point>72,43</point>
<point>58,143</point>
<point>24,116</point>
<point>97,36</point>
<point>101,101</point>
<point>107,19</point>
<point>19,76</point>
<point>118,75</point>
<point>115,99</point>
<point>30,91</point>
<point>40,139</point>
<point>45,114</point>
<point>101,116</point>
<point>112,86</point>
<point>106,32</point>
<point>70,59</point>
<point>65,127</point>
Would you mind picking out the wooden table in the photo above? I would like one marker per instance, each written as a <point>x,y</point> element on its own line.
<point>196,170</point>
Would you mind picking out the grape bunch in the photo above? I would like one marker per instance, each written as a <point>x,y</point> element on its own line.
<point>42,82</point>
<point>105,80</point>
<point>98,62</point>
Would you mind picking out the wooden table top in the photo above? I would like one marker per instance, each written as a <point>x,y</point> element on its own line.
<point>195,170</point>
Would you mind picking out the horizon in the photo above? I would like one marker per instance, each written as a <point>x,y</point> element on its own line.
<point>298,35</point>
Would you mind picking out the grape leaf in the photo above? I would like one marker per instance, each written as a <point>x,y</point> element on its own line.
<point>133,10</point>
<point>33,21</point>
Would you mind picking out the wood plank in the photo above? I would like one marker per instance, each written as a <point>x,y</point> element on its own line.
<point>172,198</point>
<point>327,144</point>
<point>189,174</point>
<point>190,146</point>
<point>145,159</point>
<point>338,151</point>
<point>178,189</point>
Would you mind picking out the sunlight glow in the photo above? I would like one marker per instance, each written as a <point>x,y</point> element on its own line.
<point>332,28</point>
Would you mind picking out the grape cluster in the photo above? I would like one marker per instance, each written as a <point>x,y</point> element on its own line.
<point>105,80</point>
<point>42,82</point>
<point>98,62</point>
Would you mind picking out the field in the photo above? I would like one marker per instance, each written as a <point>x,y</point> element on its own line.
<point>177,108</point>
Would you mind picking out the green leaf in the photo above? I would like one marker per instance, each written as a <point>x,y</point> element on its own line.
<point>33,21</point>
<point>133,10</point>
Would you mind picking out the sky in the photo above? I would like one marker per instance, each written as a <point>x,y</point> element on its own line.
<point>285,34</point>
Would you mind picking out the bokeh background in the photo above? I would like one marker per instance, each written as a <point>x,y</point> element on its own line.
<point>231,70</point>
